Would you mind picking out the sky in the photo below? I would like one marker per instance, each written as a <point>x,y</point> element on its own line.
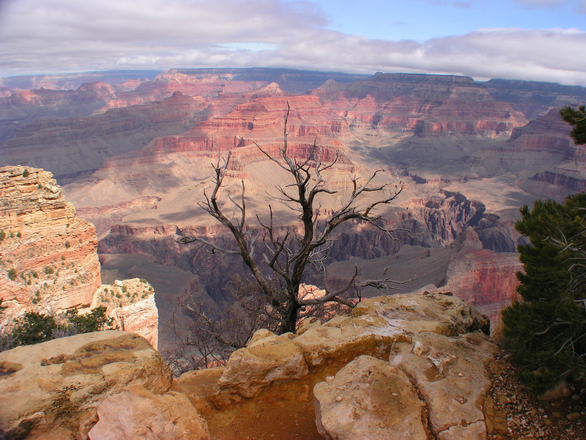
<point>537,40</point>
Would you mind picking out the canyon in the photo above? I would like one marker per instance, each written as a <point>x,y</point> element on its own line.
<point>135,158</point>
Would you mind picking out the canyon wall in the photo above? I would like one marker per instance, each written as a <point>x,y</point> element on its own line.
<point>49,261</point>
<point>48,255</point>
<point>468,155</point>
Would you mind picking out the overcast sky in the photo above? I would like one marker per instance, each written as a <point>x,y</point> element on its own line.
<point>542,40</point>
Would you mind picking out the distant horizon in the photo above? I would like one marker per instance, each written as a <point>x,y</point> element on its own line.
<point>156,72</point>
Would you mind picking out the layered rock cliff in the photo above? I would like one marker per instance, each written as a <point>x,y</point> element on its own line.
<point>48,255</point>
<point>49,261</point>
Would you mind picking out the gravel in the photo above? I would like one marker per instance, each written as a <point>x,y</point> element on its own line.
<point>513,412</point>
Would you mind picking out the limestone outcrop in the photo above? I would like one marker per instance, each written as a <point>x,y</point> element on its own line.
<point>373,328</point>
<point>369,398</point>
<point>58,385</point>
<point>136,413</point>
<point>451,375</point>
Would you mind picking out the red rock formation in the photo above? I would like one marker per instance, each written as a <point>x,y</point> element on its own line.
<point>548,133</point>
<point>484,278</point>
<point>445,215</point>
<point>49,261</point>
<point>48,258</point>
<point>422,105</point>
<point>207,85</point>
<point>75,145</point>
<point>548,137</point>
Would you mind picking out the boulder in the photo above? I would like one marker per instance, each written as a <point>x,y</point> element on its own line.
<point>269,359</point>
<point>369,399</point>
<point>60,382</point>
<point>451,374</point>
<point>138,414</point>
<point>432,311</point>
<point>342,339</point>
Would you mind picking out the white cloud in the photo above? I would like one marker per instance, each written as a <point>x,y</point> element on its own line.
<point>68,35</point>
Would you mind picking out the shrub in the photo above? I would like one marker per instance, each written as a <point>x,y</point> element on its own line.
<point>94,321</point>
<point>25,173</point>
<point>67,245</point>
<point>2,236</point>
<point>12,274</point>
<point>49,270</point>
<point>33,328</point>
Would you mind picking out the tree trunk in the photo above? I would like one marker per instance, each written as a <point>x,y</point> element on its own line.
<point>290,320</point>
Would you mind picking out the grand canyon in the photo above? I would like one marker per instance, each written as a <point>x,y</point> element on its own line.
<point>132,156</point>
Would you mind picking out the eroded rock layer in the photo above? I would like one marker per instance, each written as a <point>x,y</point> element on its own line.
<point>49,262</point>
<point>48,258</point>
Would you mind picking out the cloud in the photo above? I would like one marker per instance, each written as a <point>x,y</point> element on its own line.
<point>44,36</point>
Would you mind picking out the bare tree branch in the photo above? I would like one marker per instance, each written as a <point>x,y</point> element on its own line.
<point>287,252</point>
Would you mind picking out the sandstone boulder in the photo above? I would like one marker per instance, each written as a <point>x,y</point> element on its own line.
<point>60,382</point>
<point>138,414</point>
<point>451,374</point>
<point>269,359</point>
<point>344,338</point>
<point>432,311</point>
<point>369,399</point>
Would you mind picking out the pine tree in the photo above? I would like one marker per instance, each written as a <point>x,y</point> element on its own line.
<point>577,118</point>
<point>547,331</point>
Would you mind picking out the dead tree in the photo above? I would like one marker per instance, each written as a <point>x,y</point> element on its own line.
<point>288,253</point>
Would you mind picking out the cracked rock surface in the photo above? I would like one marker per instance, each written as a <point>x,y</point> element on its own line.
<point>451,375</point>
<point>369,398</point>
<point>444,381</point>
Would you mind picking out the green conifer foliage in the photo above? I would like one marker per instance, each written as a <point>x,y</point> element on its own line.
<point>547,330</point>
<point>577,118</point>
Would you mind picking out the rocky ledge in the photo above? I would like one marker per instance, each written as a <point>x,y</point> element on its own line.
<point>411,366</point>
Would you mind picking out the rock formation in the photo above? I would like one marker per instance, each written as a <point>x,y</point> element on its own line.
<point>61,388</point>
<point>48,257</point>
<point>369,398</point>
<point>132,305</point>
<point>409,366</point>
<point>484,278</point>
<point>49,261</point>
